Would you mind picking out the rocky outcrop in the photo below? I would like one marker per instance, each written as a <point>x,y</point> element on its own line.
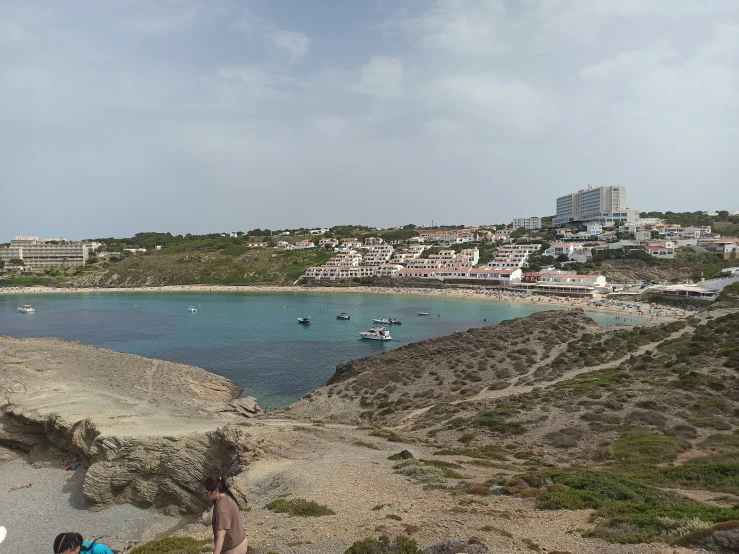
<point>145,431</point>
<point>723,537</point>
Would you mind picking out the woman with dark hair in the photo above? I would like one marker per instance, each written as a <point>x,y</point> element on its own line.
<point>228,529</point>
<point>72,543</point>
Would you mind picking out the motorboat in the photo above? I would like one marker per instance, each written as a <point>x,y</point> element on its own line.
<point>192,309</point>
<point>27,309</point>
<point>305,320</point>
<point>387,321</point>
<point>376,333</point>
<point>424,313</point>
<point>343,315</point>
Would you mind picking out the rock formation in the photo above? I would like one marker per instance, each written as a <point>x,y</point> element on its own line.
<point>144,431</point>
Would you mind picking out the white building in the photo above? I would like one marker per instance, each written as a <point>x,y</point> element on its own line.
<point>352,258</point>
<point>282,245</point>
<point>471,255</point>
<point>513,256</point>
<point>527,222</point>
<point>595,229</point>
<point>328,243</point>
<point>303,245</point>
<point>38,254</point>
<point>604,205</point>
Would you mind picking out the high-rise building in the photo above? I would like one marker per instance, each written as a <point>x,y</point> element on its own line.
<point>604,205</point>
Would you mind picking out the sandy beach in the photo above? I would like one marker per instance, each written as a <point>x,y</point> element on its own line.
<point>654,312</point>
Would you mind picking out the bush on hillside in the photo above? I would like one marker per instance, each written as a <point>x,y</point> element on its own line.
<point>299,507</point>
<point>399,545</point>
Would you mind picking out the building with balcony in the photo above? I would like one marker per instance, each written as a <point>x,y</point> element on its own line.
<point>527,223</point>
<point>37,254</point>
<point>603,205</point>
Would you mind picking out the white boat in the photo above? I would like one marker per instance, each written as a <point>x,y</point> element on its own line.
<point>192,309</point>
<point>343,315</point>
<point>376,333</point>
<point>387,321</point>
<point>27,309</point>
<point>424,313</point>
<point>305,320</point>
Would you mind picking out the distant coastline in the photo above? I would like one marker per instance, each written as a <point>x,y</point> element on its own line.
<point>496,295</point>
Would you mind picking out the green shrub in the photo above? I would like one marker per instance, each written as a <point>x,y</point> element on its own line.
<point>365,445</point>
<point>171,545</point>
<point>390,435</point>
<point>487,452</point>
<point>402,455</point>
<point>711,473</point>
<point>632,512</point>
<point>399,545</point>
<point>299,507</point>
<point>647,449</point>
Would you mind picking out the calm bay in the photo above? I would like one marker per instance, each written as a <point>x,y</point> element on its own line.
<point>253,338</point>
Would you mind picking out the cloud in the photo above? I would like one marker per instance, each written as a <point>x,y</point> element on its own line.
<point>520,100</point>
<point>11,31</point>
<point>382,77</point>
<point>294,45</point>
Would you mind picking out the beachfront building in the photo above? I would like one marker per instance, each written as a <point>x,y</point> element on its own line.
<point>726,248</point>
<point>495,276</point>
<point>603,205</point>
<point>388,270</point>
<point>37,254</point>
<point>561,283</point>
<point>333,272</point>
<point>527,223</point>
<point>470,255</point>
<point>512,256</point>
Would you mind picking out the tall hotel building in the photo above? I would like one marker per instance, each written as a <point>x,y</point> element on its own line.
<point>604,205</point>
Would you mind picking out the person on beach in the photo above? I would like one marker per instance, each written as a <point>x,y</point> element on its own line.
<point>73,543</point>
<point>229,534</point>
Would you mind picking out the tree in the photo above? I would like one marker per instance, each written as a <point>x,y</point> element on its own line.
<point>518,233</point>
<point>17,262</point>
<point>91,260</point>
<point>723,214</point>
<point>655,234</point>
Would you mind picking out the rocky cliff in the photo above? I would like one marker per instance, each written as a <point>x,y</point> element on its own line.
<point>144,431</point>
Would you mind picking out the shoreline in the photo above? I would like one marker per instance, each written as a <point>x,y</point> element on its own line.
<point>496,295</point>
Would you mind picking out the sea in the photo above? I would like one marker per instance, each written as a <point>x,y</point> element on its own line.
<point>255,339</point>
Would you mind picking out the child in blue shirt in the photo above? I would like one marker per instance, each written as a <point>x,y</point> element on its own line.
<point>72,543</point>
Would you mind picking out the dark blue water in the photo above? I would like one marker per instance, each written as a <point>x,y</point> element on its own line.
<point>253,339</point>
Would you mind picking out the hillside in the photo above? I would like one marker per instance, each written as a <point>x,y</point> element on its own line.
<point>238,266</point>
<point>642,410</point>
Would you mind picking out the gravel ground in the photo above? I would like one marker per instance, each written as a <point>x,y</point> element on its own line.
<point>55,504</point>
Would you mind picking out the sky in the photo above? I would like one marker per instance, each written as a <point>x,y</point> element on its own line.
<point>200,116</point>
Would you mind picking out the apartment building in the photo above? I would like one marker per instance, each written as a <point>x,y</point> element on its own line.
<point>303,245</point>
<point>328,243</point>
<point>604,205</point>
<point>527,223</point>
<point>333,272</point>
<point>37,254</point>
<point>422,263</point>
<point>378,255</point>
<point>513,256</point>
<point>351,258</point>
<point>471,255</point>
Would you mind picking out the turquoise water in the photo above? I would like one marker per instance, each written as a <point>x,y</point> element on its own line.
<point>253,339</point>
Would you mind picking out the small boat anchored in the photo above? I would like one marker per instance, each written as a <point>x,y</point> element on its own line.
<point>424,313</point>
<point>343,315</point>
<point>192,309</point>
<point>305,320</point>
<point>387,321</point>
<point>27,309</point>
<point>376,333</point>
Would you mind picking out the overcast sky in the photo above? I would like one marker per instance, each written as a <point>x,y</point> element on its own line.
<point>213,115</point>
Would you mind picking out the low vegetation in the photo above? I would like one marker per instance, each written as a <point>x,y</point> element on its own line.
<point>631,511</point>
<point>299,507</point>
<point>172,545</point>
<point>384,545</point>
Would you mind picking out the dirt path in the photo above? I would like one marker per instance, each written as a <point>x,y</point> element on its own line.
<point>333,465</point>
<point>523,389</point>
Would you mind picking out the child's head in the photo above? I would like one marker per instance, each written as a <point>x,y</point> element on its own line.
<point>68,543</point>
